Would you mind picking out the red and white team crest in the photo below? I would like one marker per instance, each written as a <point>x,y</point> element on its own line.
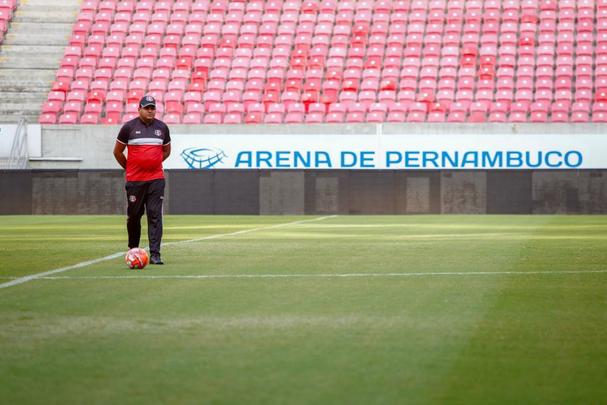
<point>157,132</point>
<point>132,198</point>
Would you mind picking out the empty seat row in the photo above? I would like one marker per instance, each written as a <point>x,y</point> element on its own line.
<point>331,118</point>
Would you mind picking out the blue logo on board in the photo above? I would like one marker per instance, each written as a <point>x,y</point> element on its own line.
<point>202,158</point>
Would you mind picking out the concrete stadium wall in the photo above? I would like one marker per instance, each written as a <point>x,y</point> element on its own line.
<point>72,191</point>
<point>90,146</point>
<point>75,173</point>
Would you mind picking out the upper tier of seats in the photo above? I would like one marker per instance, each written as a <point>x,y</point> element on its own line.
<point>7,8</point>
<point>335,61</point>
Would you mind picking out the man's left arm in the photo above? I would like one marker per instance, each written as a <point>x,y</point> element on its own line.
<point>166,147</point>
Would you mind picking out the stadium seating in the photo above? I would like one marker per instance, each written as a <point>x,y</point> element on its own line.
<point>313,61</point>
<point>7,9</point>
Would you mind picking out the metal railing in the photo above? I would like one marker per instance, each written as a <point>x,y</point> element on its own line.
<point>19,156</point>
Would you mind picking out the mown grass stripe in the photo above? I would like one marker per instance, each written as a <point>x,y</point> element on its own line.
<point>49,273</point>
<point>324,275</point>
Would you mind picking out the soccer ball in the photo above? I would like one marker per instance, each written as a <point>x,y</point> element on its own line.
<point>136,258</point>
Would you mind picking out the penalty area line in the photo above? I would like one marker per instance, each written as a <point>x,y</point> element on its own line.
<point>326,275</point>
<point>50,273</point>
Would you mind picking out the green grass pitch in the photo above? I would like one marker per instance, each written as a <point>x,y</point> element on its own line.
<point>306,310</point>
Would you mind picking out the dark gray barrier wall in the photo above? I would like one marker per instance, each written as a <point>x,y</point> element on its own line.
<point>62,192</point>
<point>314,192</point>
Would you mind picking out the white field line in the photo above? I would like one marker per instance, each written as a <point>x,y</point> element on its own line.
<point>46,274</point>
<point>263,228</point>
<point>140,276</point>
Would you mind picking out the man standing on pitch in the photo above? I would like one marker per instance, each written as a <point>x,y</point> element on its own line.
<point>149,143</point>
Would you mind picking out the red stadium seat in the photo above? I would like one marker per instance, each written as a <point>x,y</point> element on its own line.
<point>53,107</point>
<point>69,118</point>
<point>89,118</point>
<point>233,118</point>
<point>48,118</point>
<point>213,118</point>
<point>335,117</point>
<point>254,117</point>
<point>314,118</point>
<point>172,118</point>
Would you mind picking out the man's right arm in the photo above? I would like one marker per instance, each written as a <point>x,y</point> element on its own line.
<point>121,141</point>
<point>119,154</point>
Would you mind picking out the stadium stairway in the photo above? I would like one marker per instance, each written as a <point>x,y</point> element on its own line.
<point>30,55</point>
